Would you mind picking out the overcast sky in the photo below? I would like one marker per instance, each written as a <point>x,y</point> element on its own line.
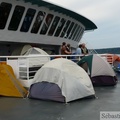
<point>104,13</point>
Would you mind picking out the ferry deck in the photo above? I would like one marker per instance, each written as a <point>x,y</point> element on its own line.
<point>107,99</point>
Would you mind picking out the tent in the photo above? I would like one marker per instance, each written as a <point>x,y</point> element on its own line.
<point>37,56</point>
<point>9,85</point>
<point>100,71</point>
<point>21,50</point>
<point>61,80</point>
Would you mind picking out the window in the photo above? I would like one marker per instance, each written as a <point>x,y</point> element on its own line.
<point>16,18</point>
<point>46,24</point>
<point>80,34</point>
<point>60,26</point>
<point>54,24</point>
<point>38,22</point>
<point>77,33</point>
<point>80,28</point>
<point>4,13</point>
<point>27,20</point>
<point>69,30</point>
<point>76,30</point>
<point>63,34</point>
<point>72,31</point>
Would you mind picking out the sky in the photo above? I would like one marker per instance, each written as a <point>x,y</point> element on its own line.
<point>104,13</point>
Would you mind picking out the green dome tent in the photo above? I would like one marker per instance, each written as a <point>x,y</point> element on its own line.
<point>99,70</point>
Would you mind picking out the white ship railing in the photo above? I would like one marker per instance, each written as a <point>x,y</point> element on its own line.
<point>25,73</point>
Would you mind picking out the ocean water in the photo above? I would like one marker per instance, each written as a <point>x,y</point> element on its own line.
<point>108,50</point>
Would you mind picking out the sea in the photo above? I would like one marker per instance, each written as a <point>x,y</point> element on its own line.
<point>106,50</point>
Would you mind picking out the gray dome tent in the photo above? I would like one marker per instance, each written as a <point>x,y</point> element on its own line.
<point>21,50</point>
<point>37,57</point>
<point>61,80</point>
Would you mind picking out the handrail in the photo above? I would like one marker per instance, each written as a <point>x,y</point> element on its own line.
<point>30,56</point>
<point>22,69</point>
<point>25,71</point>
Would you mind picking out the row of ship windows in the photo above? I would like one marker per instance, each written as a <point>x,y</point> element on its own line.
<point>44,23</point>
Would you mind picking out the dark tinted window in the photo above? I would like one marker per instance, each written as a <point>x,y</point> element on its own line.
<point>63,34</point>
<point>46,24</point>
<point>38,22</point>
<point>60,26</point>
<point>80,34</point>
<point>4,13</point>
<point>27,20</point>
<point>69,30</point>
<point>72,31</point>
<point>16,18</point>
<point>75,32</point>
<point>54,24</point>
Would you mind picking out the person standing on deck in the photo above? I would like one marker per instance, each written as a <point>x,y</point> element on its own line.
<point>78,52</point>
<point>68,47</point>
<point>64,50</point>
<point>84,49</point>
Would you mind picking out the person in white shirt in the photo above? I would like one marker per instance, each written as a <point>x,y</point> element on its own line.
<point>78,52</point>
